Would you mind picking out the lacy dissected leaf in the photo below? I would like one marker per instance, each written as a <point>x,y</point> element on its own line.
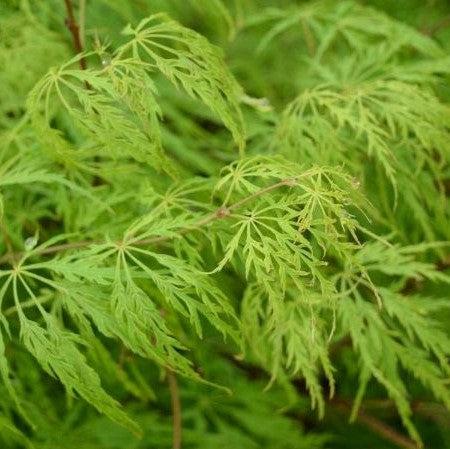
<point>366,111</point>
<point>5,374</point>
<point>315,265</point>
<point>384,349</point>
<point>29,47</point>
<point>10,434</point>
<point>269,233</point>
<point>385,338</point>
<point>142,328</point>
<point>114,304</point>
<point>290,337</point>
<point>57,352</point>
<point>395,260</point>
<point>117,121</point>
<point>325,23</point>
<point>188,60</point>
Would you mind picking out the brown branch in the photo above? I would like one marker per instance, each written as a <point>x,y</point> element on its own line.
<point>342,405</point>
<point>309,39</point>
<point>82,21</point>
<point>6,239</point>
<point>433,411</point>
<point>435,28</point>
<point>443,264</point>
<point>377,426</point>
<point>176,408</point>
<point>220,213</point>
<point>430,410</point>
<point>74,29</point>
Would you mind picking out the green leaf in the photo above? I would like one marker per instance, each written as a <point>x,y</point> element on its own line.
<point>189,61</point>
<point>57,352</point>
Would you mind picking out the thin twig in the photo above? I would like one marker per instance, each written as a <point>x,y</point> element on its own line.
<point>433,411</point>
<point>339,404</point>
<point>309,39</point>
<point>176,408</point>
<point>220,213</point>
<point>432,30</point>
<point>7,240</point>
<point>82,21</point>
<point>430,410</point>
<point>378,426</point>
<point>74,29</point>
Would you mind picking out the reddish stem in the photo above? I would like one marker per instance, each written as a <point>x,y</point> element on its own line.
<point>74,29</point>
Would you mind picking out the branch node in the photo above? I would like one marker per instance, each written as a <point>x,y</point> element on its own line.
<point>223,212</point>
<point>291,182</point>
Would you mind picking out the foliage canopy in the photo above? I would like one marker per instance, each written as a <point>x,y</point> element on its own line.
<point>246,198</point>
